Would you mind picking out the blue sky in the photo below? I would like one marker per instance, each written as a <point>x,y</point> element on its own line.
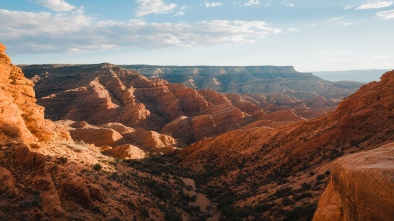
<point>308,34</point>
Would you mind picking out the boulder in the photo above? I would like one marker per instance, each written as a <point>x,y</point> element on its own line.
<point>126,151</point>
<point>96,136</point>
<point>361,187</point>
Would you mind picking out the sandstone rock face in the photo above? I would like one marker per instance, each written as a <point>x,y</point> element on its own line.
<point>361,187</point>
<point>118,127</point>
<point>96,136</point>
<point>150,140</point>
<point>247,105</point>
<point>110,135</point>
<point>21,119</point>
<point>125,152</point>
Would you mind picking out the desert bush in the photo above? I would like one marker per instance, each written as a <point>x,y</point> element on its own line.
<point>306,186</point>
<point>97,167</point>
<point>320,177</point>
<point>301,213</point>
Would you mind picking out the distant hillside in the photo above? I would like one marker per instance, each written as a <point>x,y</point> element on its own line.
<point>249,80</point>
<point>280,172</point>
<point>351,75</point>
<point>104,93</point>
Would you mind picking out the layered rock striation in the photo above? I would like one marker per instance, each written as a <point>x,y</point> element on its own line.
<point>21,119</point>
<point>250,79</point>
<point>101,94</point>
<point>105,93</point>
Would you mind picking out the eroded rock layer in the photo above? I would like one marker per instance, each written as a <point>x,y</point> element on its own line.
<point>21,119</point>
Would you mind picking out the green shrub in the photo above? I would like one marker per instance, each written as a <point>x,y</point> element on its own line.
<point>97,167</point>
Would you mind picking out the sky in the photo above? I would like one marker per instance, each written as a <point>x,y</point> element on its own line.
<point>325,35</point>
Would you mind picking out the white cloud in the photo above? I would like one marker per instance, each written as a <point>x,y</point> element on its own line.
<point>330,53</point>
<point>287,4</point>
<point>252,2</point>
<point>293,29</point>
<point>386,14</point>
<point>56,5</point>
<point>335,19</point>
<point>212,4</point>
<point>146,7</point>
<point>375,4</point>
<point>349,6</point>
<point>46,32</point>
<point>18,23</point>
<point>346,23</point>
<point>339,21</point>
<point>181,11</point>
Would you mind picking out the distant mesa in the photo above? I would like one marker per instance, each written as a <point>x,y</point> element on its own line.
<point>249,80</point>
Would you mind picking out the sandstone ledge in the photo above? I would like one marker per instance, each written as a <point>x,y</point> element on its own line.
<point>361,187</point>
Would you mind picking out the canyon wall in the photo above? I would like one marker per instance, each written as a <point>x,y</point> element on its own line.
<point>21,119</point>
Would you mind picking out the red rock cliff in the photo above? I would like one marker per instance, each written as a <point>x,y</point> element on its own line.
<point>361,187</point>
<point>21,119</point>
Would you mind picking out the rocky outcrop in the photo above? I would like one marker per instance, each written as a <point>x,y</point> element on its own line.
<point>150,140</point>
<point>361,187</point>
<point>118,127</point>
<point>247,105</point>
<point>96,136</point>
<point>126,152</point>
<point>21,119</point>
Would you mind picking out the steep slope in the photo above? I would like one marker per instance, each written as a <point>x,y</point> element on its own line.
<point>249,79</point>
<point>44,175</point>
<point>21,119</point>
<point>283,170</point>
